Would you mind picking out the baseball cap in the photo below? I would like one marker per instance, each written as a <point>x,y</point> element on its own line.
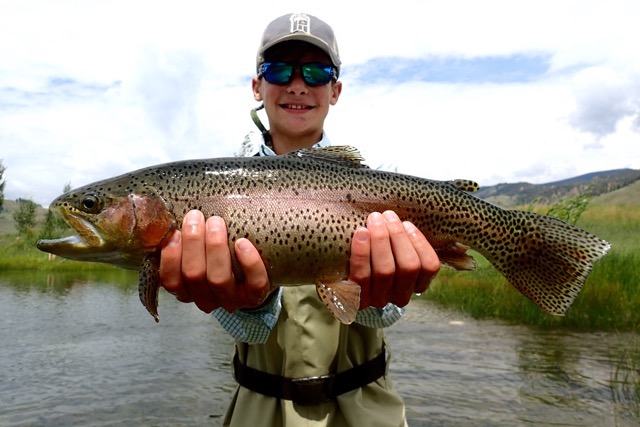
<point>303,27</point>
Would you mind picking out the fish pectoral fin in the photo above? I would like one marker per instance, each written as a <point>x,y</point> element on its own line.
<point>342,298</point>
<point>149,284</point>
<point>455,256</point>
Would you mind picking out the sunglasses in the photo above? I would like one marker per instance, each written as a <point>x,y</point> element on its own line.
<point>313,73</point>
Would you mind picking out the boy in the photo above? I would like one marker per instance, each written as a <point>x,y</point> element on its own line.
<point>295,363</point>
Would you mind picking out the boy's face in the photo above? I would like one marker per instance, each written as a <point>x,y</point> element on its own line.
<point>296,109</point>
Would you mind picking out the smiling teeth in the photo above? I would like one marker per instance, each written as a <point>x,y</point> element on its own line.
<point>296,107</point>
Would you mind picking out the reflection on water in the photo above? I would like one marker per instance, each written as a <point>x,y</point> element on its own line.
<point>83,351</point>
<point>458,371</point>
<point>61,283</point>
<point>76,352</point>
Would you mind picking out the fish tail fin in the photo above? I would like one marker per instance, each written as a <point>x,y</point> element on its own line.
<point>551,259</point>
<point>148,285</point>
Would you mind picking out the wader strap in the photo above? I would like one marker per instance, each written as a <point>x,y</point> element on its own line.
<point>309,390</point>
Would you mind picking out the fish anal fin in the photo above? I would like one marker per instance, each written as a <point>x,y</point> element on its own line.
<point>342,298</point>
<point>455,256</point>
<point>149,284</point>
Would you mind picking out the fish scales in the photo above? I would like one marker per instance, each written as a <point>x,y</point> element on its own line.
<point>301,210</point>
<point>305,210</point>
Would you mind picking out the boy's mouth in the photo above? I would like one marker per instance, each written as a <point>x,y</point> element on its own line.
<point>296,106</point>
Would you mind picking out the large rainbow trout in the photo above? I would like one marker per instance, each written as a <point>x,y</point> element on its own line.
<point>301,209</point>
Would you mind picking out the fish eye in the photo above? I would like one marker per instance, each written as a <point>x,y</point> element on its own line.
<point>90,203</point>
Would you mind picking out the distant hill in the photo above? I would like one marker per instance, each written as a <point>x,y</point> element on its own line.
<point>523,193</point>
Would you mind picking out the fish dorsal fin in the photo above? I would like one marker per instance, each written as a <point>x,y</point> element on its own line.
<point>342,298</point>
<point>465,185</point>
<point>343,155</point>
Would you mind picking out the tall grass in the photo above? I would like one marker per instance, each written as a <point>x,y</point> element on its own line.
<point>610,299</point>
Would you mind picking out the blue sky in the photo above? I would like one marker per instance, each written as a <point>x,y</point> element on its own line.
<point>516,68</point>
<point>494,91</point>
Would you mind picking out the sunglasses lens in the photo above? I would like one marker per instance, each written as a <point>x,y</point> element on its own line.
<point>277,72</point>
<point>317,74</point>
<point>313,74</point>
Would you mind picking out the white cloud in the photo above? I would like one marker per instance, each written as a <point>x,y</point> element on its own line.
<point>604,97</point>
<point>92,89</point>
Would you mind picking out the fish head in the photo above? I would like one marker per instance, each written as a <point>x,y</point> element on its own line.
<point>114,225</point>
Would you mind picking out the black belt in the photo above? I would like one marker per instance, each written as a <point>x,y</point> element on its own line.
<point>309,390</point>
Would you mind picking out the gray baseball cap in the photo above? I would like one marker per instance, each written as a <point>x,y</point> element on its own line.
<point>303,27</point>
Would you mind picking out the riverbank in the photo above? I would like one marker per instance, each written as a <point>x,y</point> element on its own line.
<point>608,301</point>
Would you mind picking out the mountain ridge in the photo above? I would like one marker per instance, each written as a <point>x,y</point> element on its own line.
<point>524,193</point>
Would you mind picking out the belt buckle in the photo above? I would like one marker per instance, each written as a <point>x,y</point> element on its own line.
<point>312,390</point>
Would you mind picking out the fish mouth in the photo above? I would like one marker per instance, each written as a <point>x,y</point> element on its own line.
<point>74,240</point>
<point>87,237</point>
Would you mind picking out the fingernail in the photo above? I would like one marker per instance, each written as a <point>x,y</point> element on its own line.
<point>214,224</point>
<point>361,234</point>
<point>243,245</point>
<point>409,228</point>
<point>193,219</point>
<point>174,239</point>
<point>391,216</point>
<point>376,218</point>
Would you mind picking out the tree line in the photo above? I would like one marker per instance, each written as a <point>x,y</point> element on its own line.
<point>26,215</point>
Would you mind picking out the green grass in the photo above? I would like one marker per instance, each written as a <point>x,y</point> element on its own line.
<point>609,300</point>
<point>20,254</point>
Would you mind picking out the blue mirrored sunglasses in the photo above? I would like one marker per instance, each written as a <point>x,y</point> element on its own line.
<point>313,73</point>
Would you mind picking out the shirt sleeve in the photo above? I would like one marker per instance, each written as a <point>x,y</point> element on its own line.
<point>379,318</point>
<point>251,326</point>
<point>254,326</point>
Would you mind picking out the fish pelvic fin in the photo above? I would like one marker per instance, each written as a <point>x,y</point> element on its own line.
<point>455,256</point>
<point>149,284</point>
<point>551,260</point>
<point>342,298</point>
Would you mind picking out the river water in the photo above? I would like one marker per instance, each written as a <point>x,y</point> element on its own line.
<point>83,351</point>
